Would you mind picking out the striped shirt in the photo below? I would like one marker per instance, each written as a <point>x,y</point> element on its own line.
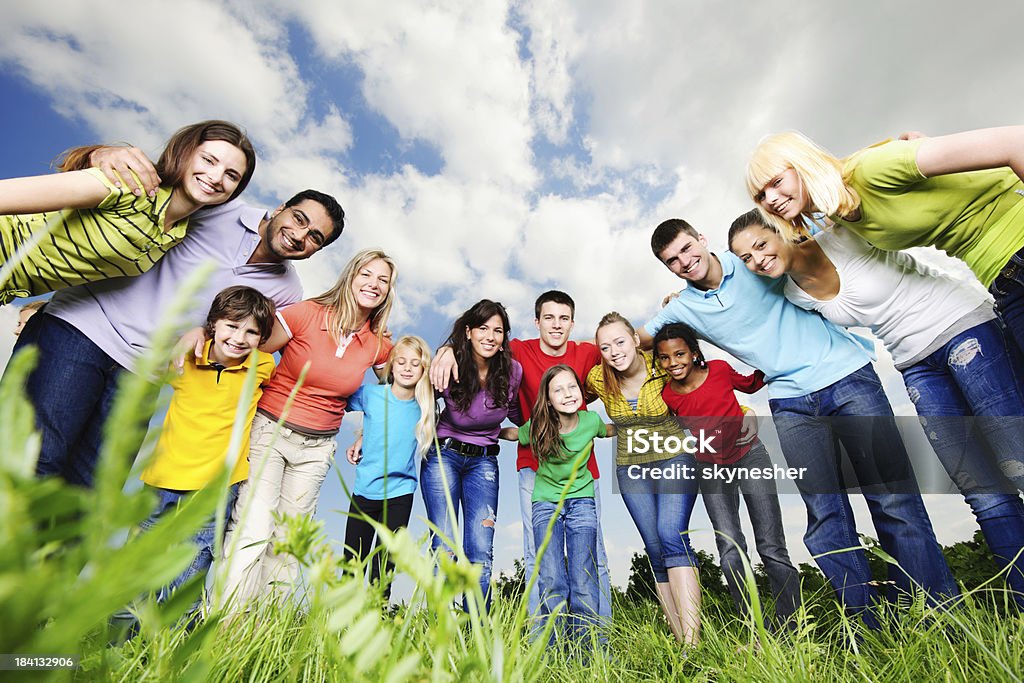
<point>123,236</point>
<point>650,413</point>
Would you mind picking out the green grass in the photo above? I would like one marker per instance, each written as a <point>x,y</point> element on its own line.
<point>69,561</point>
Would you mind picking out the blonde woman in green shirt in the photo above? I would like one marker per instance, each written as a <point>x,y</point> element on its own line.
<point>962,193</point>
<point>80,226</point>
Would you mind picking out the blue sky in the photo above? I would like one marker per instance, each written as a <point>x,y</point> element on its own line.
<point>499,149</point>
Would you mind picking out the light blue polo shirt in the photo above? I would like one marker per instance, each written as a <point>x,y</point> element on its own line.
<point>799,351</point>
<point>384,414</point>
<point>120,315</point>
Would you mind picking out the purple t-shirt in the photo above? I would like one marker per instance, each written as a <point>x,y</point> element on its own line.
<point>481,423</point>
<point>120,315</point>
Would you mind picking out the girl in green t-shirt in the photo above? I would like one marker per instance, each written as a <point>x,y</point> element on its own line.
<point>66,229</point>
<point>564,515</point>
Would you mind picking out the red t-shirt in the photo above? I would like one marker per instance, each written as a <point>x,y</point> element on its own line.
<point>713,407</point>
<point>335,372</point>
<point>580,357</point>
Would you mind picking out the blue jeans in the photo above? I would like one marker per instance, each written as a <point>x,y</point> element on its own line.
<point>472,483</point>
<point>569,581</point>
<point>972,375</point>
<point>204,539</point>
<point>856,412</point>
<point>72,390</point>
<point>722,502</point>
<point>527,478</point>
<point>1008,290</point>
<point>661,510</point>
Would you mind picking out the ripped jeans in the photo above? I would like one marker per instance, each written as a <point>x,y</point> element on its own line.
<point>472,483</point>
<point>973,413</point>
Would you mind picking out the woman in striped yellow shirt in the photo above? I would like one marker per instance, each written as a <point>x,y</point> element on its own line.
<point>70,228</point>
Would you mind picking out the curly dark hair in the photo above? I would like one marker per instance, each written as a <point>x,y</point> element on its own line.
<point>679,331</point>
<point>499,366</point>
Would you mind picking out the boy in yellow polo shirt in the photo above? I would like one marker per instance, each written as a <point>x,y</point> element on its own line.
<point>196,434</point>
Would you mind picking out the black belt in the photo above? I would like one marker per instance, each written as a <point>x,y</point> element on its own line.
<point>468,448</point>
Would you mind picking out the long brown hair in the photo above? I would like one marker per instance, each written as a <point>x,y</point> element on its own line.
<point>174,160</point>
<point>611,379</point>
<point>499,366</point>
<point>545,441</point>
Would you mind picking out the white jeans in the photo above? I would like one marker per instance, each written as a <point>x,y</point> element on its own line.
<point>284,478</point>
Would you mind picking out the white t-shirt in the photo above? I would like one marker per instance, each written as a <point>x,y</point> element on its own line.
<point>905,303</point>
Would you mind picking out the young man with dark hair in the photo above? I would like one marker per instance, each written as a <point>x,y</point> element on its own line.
<point>821,389</point>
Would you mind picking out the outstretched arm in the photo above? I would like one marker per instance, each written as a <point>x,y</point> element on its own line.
<point>972,151</point>
<point>444,369</point>
<point>53,192</point>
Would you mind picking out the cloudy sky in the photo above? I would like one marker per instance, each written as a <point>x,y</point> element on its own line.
<point>502,148</point>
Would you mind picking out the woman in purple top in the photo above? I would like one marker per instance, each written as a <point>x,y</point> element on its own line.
<point>465,470</point>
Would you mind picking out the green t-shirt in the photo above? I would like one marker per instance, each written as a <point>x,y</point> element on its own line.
<point>554,472</point>
<point>976,216</point>
<point>123,236</point>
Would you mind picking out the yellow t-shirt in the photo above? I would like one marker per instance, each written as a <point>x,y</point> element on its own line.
<point>122,236</point>
<point>976,216</point>
<point>651,413</point>
<point>197,430</point>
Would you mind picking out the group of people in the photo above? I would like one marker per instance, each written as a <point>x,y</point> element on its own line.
<point>117,236</point>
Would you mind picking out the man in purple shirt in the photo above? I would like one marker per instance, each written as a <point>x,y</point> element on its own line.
<point>88,335</point>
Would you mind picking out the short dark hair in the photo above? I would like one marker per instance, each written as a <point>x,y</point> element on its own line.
<point>238,303</point>
<point>668,231</point>
<point>678,331</point>
<point>752,217</point>
<point>331,206</point>
<point>554,296</point>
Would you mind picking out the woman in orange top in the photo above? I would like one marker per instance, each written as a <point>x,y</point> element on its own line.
<point>338,335</point>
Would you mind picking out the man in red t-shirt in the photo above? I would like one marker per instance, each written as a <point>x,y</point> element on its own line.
<point>555,313</point>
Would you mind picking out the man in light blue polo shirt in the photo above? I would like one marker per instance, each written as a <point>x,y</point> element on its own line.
<point>88,335</point>
<point>816,373</point>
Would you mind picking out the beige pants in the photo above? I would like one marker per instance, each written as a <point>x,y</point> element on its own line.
<point>284,478</point>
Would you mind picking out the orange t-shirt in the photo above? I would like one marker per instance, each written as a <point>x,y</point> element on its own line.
<point>335,371</point>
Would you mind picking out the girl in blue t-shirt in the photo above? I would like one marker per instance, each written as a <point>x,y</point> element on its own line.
<point>563,438</point>
<point>398,425</point>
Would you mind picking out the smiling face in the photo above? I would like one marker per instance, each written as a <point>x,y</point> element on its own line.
<point>618,345</point>
<point>564,393</point>
<point>783,195</point>
<point>763,251</point>
<point>215,170</point>
<point>295,232</point>
<point>234,340</point>
<point>554,324</point>
<point>688,257</point>
<point>676,358</point>
<point>406,368</point>
<point>486,339</point>
<point>371,284</point>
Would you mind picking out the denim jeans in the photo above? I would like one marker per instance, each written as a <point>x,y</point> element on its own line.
<point>204,539</point>
<point>569,581</point>
<point>810,428</point>
<point>1008,290</point>
<point>72,391</point>
<point>472,483</point>
<point>661,510</point>
<point>527,478</point>
<point>722,502</point>
<point>972,375</point>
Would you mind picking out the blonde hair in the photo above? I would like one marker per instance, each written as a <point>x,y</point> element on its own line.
<point>424,391</point>
<point>611,378</point>
<point>820,173</point>
<point>344,311</point>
